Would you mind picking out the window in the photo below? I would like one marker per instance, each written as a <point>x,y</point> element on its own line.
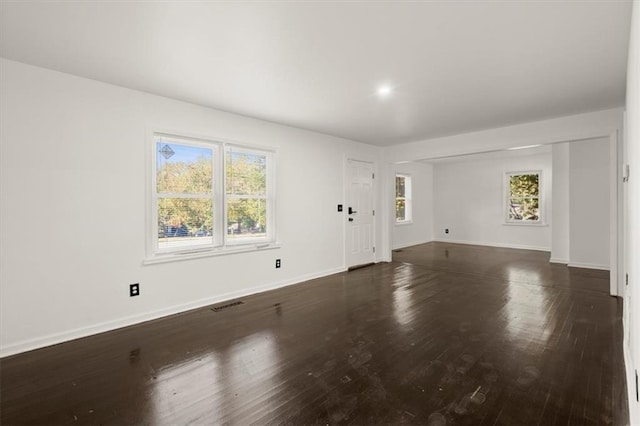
<point>246,194</point>
<point>523,197</point>
<point>403,199</point>
<point>184,194</point>
<point>209,195</point>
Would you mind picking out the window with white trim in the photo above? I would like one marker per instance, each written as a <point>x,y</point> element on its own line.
<point>246,195</point>
<point>209,195</point>
<point>523,199</point>
<point>403,198</point>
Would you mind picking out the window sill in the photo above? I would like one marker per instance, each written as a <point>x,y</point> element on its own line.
<point>539,224</point>
<point>404,222</point>
<point>210,252</point>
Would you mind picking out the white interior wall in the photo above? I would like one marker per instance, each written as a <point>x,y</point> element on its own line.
<point>562,129</point>
<point>469,200</point>
<point>420,230</point>
<point>73,183</point>
<point>632,217</point>
<point>560,242</point>
<point>589,204</point>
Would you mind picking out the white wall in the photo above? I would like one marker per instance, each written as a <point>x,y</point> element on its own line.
<point>632,217</point>
<point>469,200</point>
<point>560,242</point>
<point>420,230</point>
<point>73,184</point>
<point>562,129</point>
<point>589,204</point>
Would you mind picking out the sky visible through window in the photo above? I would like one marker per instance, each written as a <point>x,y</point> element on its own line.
<point>181,153</point>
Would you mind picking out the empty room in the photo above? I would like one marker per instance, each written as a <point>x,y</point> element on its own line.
<point>319,212</point>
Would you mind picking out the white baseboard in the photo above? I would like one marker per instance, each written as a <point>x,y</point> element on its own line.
<point>589,266</point>
<point>65,336</point>
<point>559,260</point>
<point>413,243</point>
<point>502,245</point>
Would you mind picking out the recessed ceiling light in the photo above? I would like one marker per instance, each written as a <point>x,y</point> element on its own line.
<point>384,91</point>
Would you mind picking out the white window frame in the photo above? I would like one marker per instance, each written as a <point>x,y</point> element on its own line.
<point>221,244</point>
<point>268,197</point>
<point>215,192</point>
<point>507,197</point>
<point>408,199</point>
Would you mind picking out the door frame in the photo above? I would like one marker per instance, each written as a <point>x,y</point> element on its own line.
<point>345,197</point>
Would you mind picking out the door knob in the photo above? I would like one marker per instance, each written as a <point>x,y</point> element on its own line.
<point>352,211</point>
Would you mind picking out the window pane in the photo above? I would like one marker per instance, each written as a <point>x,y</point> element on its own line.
<point>524,185</point>
<point>246,218</point>
<point>183,169</point>
<point>524,209</point>
<point>400,191</point>
<point>246,173</point>
<point>184,222</point>
<point>400,209</point>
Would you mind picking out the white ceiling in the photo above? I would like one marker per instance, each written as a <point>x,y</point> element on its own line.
<point>456,66</point>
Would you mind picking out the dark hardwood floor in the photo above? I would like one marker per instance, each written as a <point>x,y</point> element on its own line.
<point>446,334</point>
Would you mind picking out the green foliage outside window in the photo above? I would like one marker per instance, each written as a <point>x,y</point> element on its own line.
<point>246,187</point>
<point>193,214</point>
<point>184,176</point>
<point>524,197</point>
<point>400,198</point>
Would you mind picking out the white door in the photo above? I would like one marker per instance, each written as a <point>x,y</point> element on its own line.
<point>359,213</point>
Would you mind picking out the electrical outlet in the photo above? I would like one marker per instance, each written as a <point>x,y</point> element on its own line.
<point>446,231</point>
<point>134,289</point>
<point>278,263</point>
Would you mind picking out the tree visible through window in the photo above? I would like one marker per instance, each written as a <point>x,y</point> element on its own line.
<point>199,184</point>
<point>184,180</point>
<point>403,198</point>
<point>246,189</point>
<point>523,202</point>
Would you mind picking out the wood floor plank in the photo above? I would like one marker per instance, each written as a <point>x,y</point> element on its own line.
<point>446,334</point>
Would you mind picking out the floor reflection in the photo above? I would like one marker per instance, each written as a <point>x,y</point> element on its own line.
<point>527,309</point>
<point>251,366</point>
<point>226,380</point>
<point>196,376</point>
<point>403,311</point>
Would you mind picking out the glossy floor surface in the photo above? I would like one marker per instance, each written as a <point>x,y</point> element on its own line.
<point>445,334</point>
